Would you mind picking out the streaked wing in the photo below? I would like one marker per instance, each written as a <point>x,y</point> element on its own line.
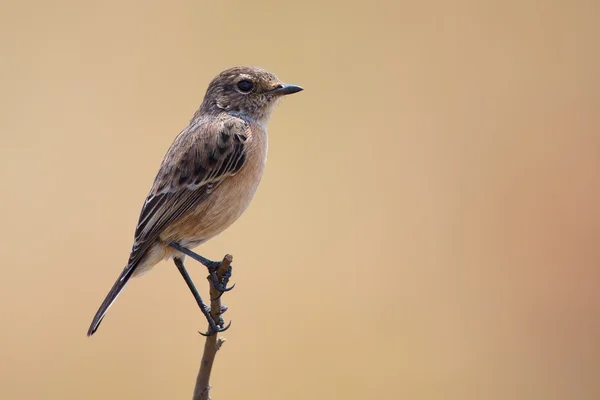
<point>201,157</point>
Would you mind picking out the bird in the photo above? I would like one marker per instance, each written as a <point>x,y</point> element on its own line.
<point>206,180</point>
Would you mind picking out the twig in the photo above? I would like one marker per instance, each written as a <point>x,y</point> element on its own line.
<point>213,342</point>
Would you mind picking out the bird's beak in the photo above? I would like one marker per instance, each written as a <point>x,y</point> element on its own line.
<point>283,89</point>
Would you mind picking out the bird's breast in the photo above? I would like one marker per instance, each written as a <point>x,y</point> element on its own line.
<point>234,194</point>
<point>225,203</point>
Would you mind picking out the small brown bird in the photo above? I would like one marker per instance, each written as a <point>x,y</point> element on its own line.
<point>207,178</point>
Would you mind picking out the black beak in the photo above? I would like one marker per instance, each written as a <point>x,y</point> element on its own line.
<point>284,89</point>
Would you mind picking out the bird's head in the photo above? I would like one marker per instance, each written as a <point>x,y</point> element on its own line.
<point>246,92</point>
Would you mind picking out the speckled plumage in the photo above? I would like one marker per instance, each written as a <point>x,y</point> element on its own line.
<point>209,174</point>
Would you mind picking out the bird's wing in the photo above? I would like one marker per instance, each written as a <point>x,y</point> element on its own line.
<point>200,158</point>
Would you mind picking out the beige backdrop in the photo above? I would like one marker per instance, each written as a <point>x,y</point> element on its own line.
<point>427,227</point>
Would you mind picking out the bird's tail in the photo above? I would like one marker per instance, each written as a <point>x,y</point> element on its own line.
<point>110,298</point>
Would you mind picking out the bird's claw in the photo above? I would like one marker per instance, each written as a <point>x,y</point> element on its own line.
<point>223,291</point>
<point>215,329</point>
<point>220,285</point>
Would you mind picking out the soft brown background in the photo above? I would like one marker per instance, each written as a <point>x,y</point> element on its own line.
<point>427,227</point>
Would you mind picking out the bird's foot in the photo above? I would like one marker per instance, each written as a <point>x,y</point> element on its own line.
<point>215,327</point>
<point>220,285</point>
<point>212,266</point>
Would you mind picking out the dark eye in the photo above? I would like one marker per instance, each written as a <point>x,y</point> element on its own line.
<point>245,86</point>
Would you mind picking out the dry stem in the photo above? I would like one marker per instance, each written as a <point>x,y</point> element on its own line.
<point>213,343</point>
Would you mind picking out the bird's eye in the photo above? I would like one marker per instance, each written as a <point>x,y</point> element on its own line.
<point>245,86</point>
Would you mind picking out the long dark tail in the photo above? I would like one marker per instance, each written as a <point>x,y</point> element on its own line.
<point>110,298</point>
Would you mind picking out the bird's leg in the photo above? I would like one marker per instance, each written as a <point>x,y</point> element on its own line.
<point>211,265</point>
<point>214,327</point>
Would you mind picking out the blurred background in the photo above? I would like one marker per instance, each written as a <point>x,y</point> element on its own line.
<point>427,226</point>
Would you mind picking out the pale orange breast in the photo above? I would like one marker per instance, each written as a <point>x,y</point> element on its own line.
<point>226,202</point>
